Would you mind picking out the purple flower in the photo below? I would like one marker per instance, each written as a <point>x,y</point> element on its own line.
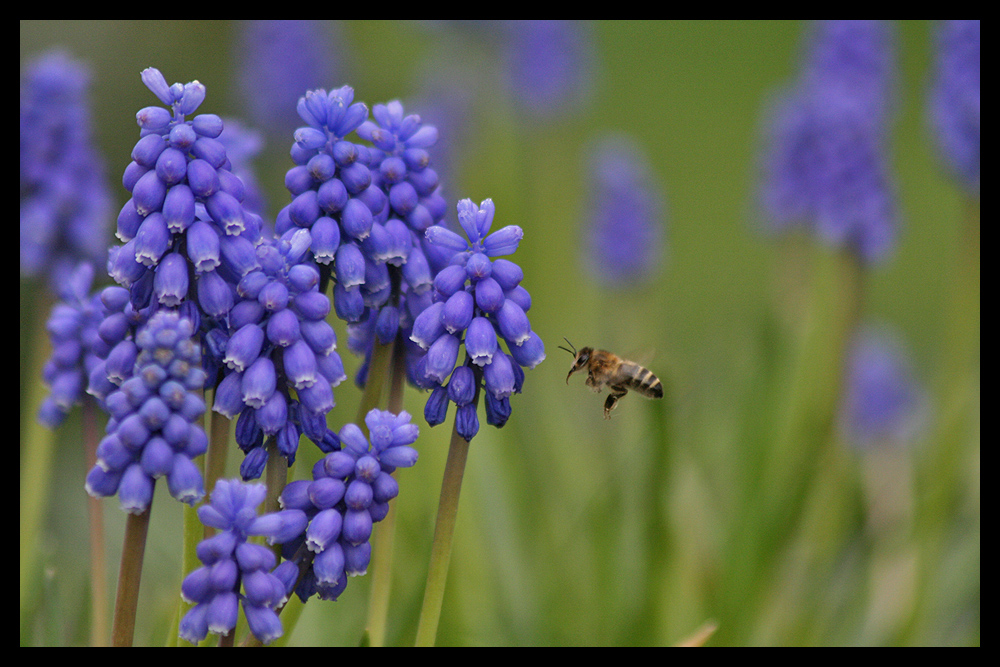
<point>478,300</point>
<point>825,165</point>
<point>76,347</point>
<point>279,360</point>
<point>186,202</point>
<point>64,195</point>
<point>883,401</point>
<point>625,240</point>
<point>549,64</point>
<point>154,429</point>
<point>350,491</point>
<point>280,59</point>
<point>230,561</point>
<point>955,98</point>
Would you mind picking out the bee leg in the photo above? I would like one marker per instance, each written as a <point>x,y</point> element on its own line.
<point>612,401</point>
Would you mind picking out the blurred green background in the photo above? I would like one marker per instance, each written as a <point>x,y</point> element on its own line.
<point>574,530</point>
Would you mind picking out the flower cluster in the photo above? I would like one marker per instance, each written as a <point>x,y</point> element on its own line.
<point>825,166</point>
<point>281,355</point>
<point>332,192</point>
<point>955,98</point>
<point>350,491</point>
<point>64,196</point>
<point>477,300</point>
<point>229,560</point>
<point>185,209</point>
<point>153,430</point>
<point>625,239</point>
<point>76,346</point>
<point>399,262</point>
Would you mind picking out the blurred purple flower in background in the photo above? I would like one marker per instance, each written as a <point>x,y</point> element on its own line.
<point>955,98</point>
<point>825,166</point>
<point>625,238</point>
<point>65,203</point>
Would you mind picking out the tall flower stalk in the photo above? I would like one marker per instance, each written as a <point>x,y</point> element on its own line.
<point>478,302</point>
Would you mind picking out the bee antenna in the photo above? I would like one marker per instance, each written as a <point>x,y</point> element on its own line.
<point>573,351</point>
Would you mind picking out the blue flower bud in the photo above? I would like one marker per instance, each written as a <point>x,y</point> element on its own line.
<point>507,274</point>
<point>215,295</point>
<point>441,357</point>
<point>466,421</point>
<point>457,312</point>
<point>358,495</point>
<point>210,150</point>
<point>357,526</point>
<point>332,196</point>
<point>328,566</point>
<point>480,341</point>
<point>450,280</point>
<point>135,492</point>
<point>273,416</point>
<point>171,166</point>
<point>349,303</point>
<point>207,125</point>
<point>499,376</point>
<point>147,150</point>
<point>311,305</point>
<point>399,457</point>
<point>227,211</point>
<point>326,492</point>
<point>238,255</point>
<point>300,365</point>
<point>356,219</point>
<point>530,353</point>
<point>318,398</point>
<point>503,242</point>
<point>324,529</point>
<point>325,234</point>
<point>253,464</point>
<point>387,324</point>
<point>513,323</point>
<point>497,410</point>
<point>152,239</point>
<point>462,387</point>
<point>203,246</point>
<point>489,296</point>
<point>319,335</point>
<point>148,193</point>
<point>258,383</point>
<point>357,557</point>
<point>283,328</point>
<point>179,208</point>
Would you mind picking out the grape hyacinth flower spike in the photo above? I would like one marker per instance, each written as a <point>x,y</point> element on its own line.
<point>280,356</point>
<point>153,430</point>
<point>350,491</point>
<point>185,217</point>
<point>231,561</point>
<point>76,346</point>
<point>479,301</point>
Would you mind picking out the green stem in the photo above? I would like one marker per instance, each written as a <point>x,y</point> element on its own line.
<point>129,574</point>
<point>37,442</point>
<point>95,509</point>
<point>275,478</point>
<point>215,457</point>
<point>444,529</point>
<point>378,368</point>
<point>378,605</point>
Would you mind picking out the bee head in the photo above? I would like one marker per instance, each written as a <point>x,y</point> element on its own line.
<point>580,358</point>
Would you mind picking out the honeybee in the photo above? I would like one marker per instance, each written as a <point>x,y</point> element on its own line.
<point>620,375</point>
